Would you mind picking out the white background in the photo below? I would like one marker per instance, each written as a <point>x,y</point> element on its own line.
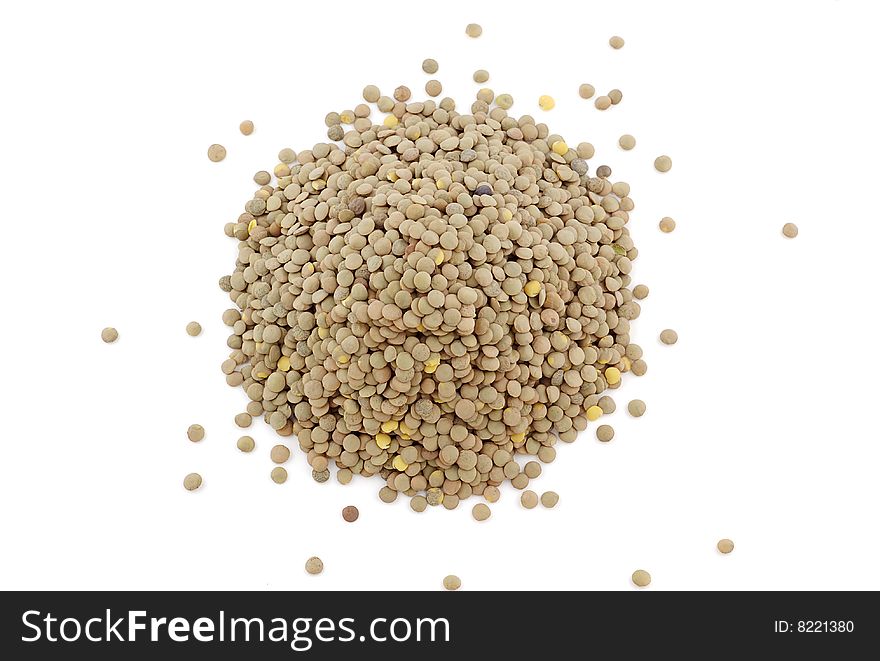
<point>761,420</point>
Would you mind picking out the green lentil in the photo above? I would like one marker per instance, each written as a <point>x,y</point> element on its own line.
<point>192,482</point>
<point>452,582</point>
<point>473,30</point>
<point>529,499</point>
<point>668,336</point>
<point>549,499</point>
<point>195,433</point>
<point>216,153</point>
<point>636,408</point>
<point>663,164</point>
<point>641,578</point>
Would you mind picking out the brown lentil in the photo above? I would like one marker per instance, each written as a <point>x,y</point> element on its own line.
<point>314,565</point>
<point>473,30</point>
<point>246,127</point>
<point>430,66</point>
<point>481,76</point>
<point>193,328</point>
<point>616,42</point>
<point>586,91</point>
<point>109,335</point>
<point>725,546</point>
<point>605,433</point>
<point>481,512</point>
<point>350,513</point>
<point>195,433</point>
<point>667,224</point>
<point>245,444</point>
<point>789,230</point>
<point>279,475</point>
<point>529,499</point>
<point>626,141</point>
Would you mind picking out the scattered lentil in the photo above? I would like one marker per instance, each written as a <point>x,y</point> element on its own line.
<point>193,328</point>
<point>663,164</point>
<point>789,230</point>
<point>452,582</point>
<point>641,578</point>
<point>279,475</point>
<point>529,499</point>
<point>605,433</point>
<point>246,127</point>
<point>350,513</point>
<point>616,42</point>
<point>549,499</point>
<point>216,153</point>
<point>433,88</point>
<point>616,96</point>
<point>546,102</point>
<point>192,481</point>
<point>109,335</point>
<point>314,565</point>
<point>602,102</point>
<point>195,433</point>
<point>626,141</point>
<point>586,91</point>
<point>245,444</point>
<point>481,76</point>
<point>640,292</point>
<point>725,546</point>
<point>473,30</point>
<point>504,101</point>
<point>481,512</point>
<point>668,336</point>
<point>279,454</point>
<point>636,408</point>
<point>430,66</point>
<point>667,224</point>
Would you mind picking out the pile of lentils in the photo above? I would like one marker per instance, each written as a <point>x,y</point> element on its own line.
<point>440,295</point>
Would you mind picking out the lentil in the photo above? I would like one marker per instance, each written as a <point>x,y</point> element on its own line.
<point>725,546</point>
<point>192,481</point>
<point>314,565</point>
<point>641,578</point>
<point>246,127</point>
<point>452,582</point>
<point>789,230</point>
<point>193,328</point>
<point>195,433</point>
<point>245,444</point>
<point>663,164</point>
<point>473,30</point>
<point>109,335</point>
<point>668,336</point>
<point>216,153</point>
<point>636,408</point>
<point>549,499</point>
